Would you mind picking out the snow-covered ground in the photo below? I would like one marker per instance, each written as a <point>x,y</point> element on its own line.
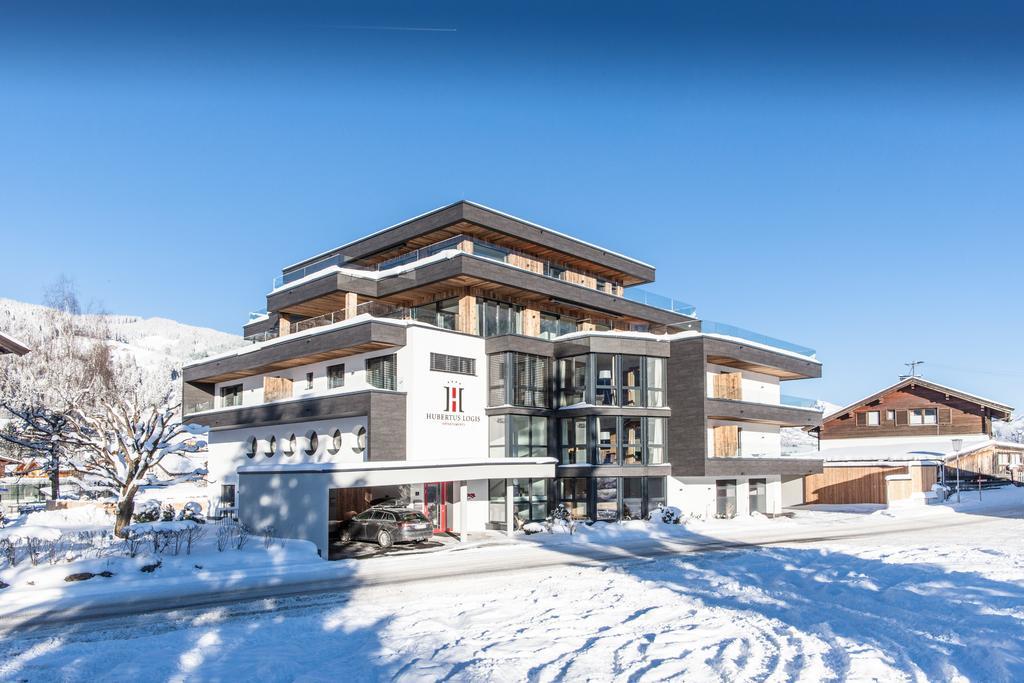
<point>855,593</point>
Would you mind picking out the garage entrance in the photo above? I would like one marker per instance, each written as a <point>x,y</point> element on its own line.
<point>344,504</point>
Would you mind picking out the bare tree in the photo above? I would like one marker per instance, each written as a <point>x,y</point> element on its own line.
<point>124,439</point>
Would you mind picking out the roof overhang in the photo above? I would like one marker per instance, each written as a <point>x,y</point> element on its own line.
<point>9,344</point>
<point>345,475</point>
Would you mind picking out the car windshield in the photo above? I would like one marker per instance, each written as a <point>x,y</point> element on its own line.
<point>412,517</point>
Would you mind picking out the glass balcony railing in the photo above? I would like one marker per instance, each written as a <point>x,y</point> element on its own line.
<point>800,402</point>
<point>711,327</point>
<point>256,315</point>
<point>648,298</point>
<point>498,253</point>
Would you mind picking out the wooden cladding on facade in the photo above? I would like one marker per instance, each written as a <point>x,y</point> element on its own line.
<point>276,388</point>
<point>848,485</point>
<point>726,441</point>
<point>729,385</point>
<point>894,415</point>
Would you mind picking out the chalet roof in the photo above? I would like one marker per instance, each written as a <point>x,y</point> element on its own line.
<point>921,382</point>
<point>9,344</point>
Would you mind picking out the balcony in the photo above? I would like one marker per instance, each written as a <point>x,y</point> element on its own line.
<point>711,327</point>
<point>761,413</point>
<point>648,298</point>
<point>376,309</point>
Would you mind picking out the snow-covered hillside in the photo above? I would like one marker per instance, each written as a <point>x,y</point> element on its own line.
<point>796,440</point>
<point>154,343</point>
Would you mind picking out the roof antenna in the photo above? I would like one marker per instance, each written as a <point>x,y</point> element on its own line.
<point>913,369</point>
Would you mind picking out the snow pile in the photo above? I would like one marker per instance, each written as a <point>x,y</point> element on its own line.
<point>79,517</point>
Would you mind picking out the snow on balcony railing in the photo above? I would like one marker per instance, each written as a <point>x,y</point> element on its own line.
<point>801,402</point>
<point>711,327</point>
<point>648,298</point>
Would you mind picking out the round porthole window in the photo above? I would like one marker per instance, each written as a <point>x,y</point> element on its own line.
<point>312,443</point>
<point>334,446</point>
<point>289,445</point>
<point>251,446</point>
<point>360,440</point>
<point>271,447</point>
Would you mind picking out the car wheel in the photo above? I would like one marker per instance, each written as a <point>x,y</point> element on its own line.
<point>384,539</point>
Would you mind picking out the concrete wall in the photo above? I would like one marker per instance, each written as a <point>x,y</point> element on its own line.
<point>792,490</point>
<point>295,505</point>
<point>695,496</point>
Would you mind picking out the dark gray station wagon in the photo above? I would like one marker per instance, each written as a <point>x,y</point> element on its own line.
<point>387,526</point>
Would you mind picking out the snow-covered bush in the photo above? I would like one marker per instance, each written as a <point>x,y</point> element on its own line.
<point>167,514</point>
<point>192,511</point>
<point>666,514</point>
<point>147,511</point>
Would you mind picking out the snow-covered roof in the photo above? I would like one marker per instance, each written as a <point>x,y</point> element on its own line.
<point>925,383</point>
<point>902,449</point>
<point>448,206</point>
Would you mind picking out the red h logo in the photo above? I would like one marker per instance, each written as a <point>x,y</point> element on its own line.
<point>453,399</point>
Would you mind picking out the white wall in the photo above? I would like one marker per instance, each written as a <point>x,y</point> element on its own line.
<point>756,387</point>
<point>227,448</point>
<point>695,496</point>
<point>755,439</point>
<point>433,432</point>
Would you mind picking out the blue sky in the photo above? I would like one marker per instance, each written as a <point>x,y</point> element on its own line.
<point>847,175</point>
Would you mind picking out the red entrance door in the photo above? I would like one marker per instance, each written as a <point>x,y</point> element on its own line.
<point>435,507</point>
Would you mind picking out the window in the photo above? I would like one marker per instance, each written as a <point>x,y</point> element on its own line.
<point>530,379</point>
<point>607,441</point>
<point>890,416</point>
<point>360,440</point>
<point>443,314</point>
<point>572,380</point>
<point>496,436</point>
<point>632,441</point>
<point>529,436</point>
<point>227,494</point>
<point>655,492</point>
<point>271,447</point>
<point>530,499</point>
<point>496,503</point>
<point>309,381</point>
<point>382,372</point>
<point>629,380</point>
<point>231,396</point>
<point>495,317</point>
<point>251,446</point>
<point>655,440</point>
<point>554,325</point>
<point>288,447</point>
<point>606,494</point>
<point>656,382</point>
<point>496,370</point>
<point>725,498</point>
<point>336,376</point>
<point>604,377</point>
<point>460,365</point>
<point>871,418</point>
<point>312,442</point>
<point>572,441</point>
<point>334,445</point>
<point>632,498</point>
<point>923,416</point>
<point>574,494</point>
<point>758,496</point>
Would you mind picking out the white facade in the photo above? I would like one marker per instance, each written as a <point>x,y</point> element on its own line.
<point>697,496</point>
<point>755,387</point>
<point>756,440</point>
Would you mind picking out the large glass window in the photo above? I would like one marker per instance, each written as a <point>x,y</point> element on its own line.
<point>725,498</point>
<point>632,497</point>
<point>656,382</point>
<point>572,380</point>
<point>495,317</point>
<point>607,441</point>
<point>529,436</point>
<point>604,379</point>
<point>630,368</point>
<point>496,502</point>
<point>656,440</point>
<point>443,314</point>
<point>555,325</point>
<point>572,440</point>
<point>758,495</point>
<point>496,436</point>
<point>382,372</point>
<point>606,490</point>
<point>530,499</point>
<point>231,396</point>
<point>655,492</point>
<point>632,441</point>
<point>574,494</point>
<point>530,387</point>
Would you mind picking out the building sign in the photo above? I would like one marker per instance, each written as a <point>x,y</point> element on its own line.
<point>453,412</point>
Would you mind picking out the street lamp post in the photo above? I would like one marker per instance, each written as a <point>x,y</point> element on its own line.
<point>957,445</point>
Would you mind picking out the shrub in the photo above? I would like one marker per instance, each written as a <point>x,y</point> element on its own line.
<point>192,511</point>
<point>192,535</point>
<point>666,514</point>
<point>167,514</point>
<point>147,511</point>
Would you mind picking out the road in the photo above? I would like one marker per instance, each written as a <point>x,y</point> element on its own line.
<point>480,562</point>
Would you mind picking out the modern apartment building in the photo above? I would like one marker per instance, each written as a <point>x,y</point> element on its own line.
<point>485,369</point>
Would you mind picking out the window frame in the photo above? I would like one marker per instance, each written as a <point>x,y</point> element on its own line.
<point>387,378</point>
